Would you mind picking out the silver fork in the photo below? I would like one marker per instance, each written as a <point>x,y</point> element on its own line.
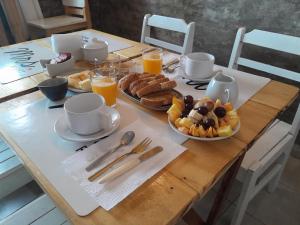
<point>141,147</point>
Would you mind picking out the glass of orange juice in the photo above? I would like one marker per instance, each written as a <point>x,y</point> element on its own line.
<point>152,61</point>
<point>104,80</point>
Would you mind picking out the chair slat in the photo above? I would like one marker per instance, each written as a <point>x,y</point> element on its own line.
<point>269,69</point>
<point>53,217</point>
<point>3,146</point>
<point>168,23</point>
<point>67,223</point>
<point>280,42</point>
<point>9,166</point>
<point>265,143</point>
<point>5,155</point>
<point>31,212</point>
<point>163,44</point>
<point>74,11</point>
<point>74,3</point>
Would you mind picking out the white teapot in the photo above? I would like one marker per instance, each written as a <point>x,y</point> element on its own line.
<point>223,87</point>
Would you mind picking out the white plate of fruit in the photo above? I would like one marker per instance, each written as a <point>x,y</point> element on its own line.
<point>204,119</point>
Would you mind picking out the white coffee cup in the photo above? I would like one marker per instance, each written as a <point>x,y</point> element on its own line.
<point>95,50</point>
<point>87,114</point>
<point>198,65</point>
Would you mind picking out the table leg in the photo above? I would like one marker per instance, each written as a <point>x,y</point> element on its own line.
<point>224,190</point>
<point>192,218</point>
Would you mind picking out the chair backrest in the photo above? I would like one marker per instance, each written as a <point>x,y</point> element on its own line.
<point>172,24</point>
<point>78,8</point>
<point>31,9</point>
<point>275,41</point>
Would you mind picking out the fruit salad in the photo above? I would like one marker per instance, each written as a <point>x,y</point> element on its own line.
<point>204,118</point>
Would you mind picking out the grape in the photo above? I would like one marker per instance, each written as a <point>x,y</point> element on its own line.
<point>220,112</point>
<point>184,113</point>
<point>202,110</point>
<point>207,123</point>
<point>188,99</point>
<point>189,106</point>
<point>211,122</point>
<point>210,105</point>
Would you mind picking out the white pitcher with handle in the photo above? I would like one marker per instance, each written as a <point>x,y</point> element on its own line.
<point>223,87</point>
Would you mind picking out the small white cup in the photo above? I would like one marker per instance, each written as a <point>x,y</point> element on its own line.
<point>87,114</point>
<point>97,49</point>
<point>198,65</point>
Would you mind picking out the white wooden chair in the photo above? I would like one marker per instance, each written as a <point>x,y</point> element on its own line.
<point>13,175</point>
<point>77,16</point>
<point>41,211</point>
<point>279,42</point>
<point>265,160</point>
<point>172,24</point>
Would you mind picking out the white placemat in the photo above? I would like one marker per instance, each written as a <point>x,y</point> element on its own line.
<point>31,128</point>
<point>248,84</point>
<point>22,60</point>
<point>111,193</point>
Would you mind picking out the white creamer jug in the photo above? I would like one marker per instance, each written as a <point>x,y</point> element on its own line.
<point>223,87</point>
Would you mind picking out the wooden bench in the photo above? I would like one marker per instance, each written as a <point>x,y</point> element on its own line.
<point>41,211</point>
<point>12,172</point>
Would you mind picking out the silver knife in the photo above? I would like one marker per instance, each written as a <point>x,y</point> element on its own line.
<point>129,165</point>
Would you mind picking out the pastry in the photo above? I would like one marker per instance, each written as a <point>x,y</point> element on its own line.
<point>80,81</point>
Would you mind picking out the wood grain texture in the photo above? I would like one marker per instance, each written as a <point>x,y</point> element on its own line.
<point>169,193</point>
<point>276,94</point>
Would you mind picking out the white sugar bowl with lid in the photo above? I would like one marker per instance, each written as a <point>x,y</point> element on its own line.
<point>95,50</point>
<point>223,87</point>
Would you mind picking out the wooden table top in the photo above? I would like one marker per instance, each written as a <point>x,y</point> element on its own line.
<point>28,84</point>
<point>167,195</point>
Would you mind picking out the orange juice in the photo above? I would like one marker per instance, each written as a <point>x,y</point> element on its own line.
<point>107,87</point>
<point>152,61</point>
<point>152,65</point>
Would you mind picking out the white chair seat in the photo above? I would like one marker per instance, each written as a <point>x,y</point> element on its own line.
<point>12,173</point>
<point>57,21</point>
<point>41,211</point>
<point>277,131</point>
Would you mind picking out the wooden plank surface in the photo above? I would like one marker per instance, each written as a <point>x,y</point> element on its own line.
<point>28,84</point>
<point>167,195</point>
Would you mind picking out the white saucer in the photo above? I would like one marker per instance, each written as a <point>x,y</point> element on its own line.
<point>62,129</point>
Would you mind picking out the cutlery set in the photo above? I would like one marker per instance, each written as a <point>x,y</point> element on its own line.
<point>111,171</point>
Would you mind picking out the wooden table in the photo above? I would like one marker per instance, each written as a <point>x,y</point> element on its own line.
<point>170,194</point>
<point>28,84</point>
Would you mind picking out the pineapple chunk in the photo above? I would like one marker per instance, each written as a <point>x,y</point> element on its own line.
<point>174,113</point>
<point>228,106</point>
<point>215,133</point>
<point>186,122</point>
<point>234,122</point>
<point>183,130</point>
<point>177,122</point>
<point>201,131</point>
<point>232,113</point>
<point>225,131</point>
<point>178,102</point>
<point>210,132</point>
<point>194,131</point>
<point>218,103</point>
